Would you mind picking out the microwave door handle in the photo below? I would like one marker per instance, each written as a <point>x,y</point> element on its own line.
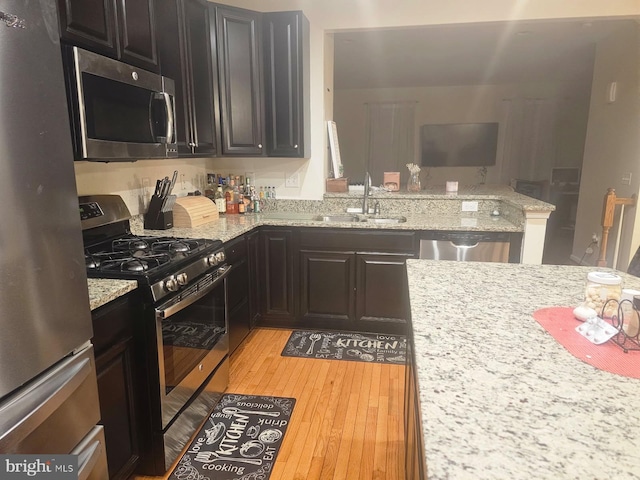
<point>169,110</point>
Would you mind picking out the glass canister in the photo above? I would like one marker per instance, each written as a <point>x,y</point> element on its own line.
<point>600,287</point>
<point>630,320</point>
<point>414,182</point>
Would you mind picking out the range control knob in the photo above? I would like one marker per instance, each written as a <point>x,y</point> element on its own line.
<point>220,257</point>
<point>212,260</point>
<point>171,284</point>
<point>182,278</point>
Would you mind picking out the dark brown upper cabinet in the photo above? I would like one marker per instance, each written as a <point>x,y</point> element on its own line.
<point>286,68</point>
<point>238,38</point>
<point>187,50</point>
<point>121,29</point>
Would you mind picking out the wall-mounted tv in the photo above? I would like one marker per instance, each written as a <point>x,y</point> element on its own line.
<point>459,144</point>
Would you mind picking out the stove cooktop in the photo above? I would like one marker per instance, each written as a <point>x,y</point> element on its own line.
<point>140,257</point>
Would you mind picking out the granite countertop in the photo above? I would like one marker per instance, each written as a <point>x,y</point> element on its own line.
<point>102,291</point>
<point>500,398</point>
<point>228,227</point>
<point>502,193</point>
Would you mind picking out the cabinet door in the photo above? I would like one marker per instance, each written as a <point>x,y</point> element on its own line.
<point>89,24</point>
<point>239,63</point>
<point>276,287</point>
<point>202,74</point>
<point>118,408</point>
<point>136,33</point>
<point>253,258</point>
<point>186,56</point>
<point>327,288</point>
<point>118,383</point>
<point>381,300</point>
<point>286,66</point>
<point>237,292</point>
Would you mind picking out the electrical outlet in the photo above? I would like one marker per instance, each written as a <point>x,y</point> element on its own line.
<point>626,178</point>
<point>469,206</point>
<point>595,239</point>
<point>292,180</point>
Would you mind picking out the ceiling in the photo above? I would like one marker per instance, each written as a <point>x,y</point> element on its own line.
<point>470,54</point>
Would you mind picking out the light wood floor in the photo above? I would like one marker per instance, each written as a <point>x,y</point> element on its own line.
<point>348,419</point>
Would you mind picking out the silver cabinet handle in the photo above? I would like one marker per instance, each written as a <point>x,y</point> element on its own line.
<point>29,409</point>
<point>259,145</point>
<point>295,146</point>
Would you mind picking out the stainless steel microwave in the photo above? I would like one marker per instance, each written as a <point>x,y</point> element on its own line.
<point>118,112</point>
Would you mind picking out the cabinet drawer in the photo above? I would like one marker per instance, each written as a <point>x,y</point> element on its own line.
<point>235,250</point>
<point>358,240</point>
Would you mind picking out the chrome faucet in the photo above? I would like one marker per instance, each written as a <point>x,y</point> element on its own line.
<point>365,199</point>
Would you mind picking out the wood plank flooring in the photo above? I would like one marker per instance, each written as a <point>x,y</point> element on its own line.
<point>348,419</point>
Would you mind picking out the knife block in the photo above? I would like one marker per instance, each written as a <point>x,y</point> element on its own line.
<point>156,218</point>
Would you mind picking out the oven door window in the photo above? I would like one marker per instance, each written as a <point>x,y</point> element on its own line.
<point>119,112</point>
<point>190,334</point>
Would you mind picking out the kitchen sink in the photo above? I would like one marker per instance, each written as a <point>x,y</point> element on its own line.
<point>337,218</point>
<point>347,218</point>
<point>376,219</point>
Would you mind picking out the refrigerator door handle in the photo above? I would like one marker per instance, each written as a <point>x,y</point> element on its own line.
<point>28,410</point>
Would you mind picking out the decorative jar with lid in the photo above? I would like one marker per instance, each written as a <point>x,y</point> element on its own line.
<point>601,287</point>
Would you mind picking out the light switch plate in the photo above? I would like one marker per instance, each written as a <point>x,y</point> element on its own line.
<point>469,206</point>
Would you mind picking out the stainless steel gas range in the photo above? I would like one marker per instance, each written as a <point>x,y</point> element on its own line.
<point>183,327</point>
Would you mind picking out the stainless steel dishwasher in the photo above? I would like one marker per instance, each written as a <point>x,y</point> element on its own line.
<point>465,246</point>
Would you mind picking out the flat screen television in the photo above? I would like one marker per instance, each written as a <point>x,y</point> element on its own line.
<point>459,144</point>
<point>565,176</point>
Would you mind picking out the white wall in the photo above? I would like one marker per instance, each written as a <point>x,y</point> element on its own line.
<point>611,146</point>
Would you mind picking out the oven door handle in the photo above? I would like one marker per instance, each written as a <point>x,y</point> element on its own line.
<point>176,307</point>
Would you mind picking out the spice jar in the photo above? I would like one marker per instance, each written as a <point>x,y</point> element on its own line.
<point>601,287</point>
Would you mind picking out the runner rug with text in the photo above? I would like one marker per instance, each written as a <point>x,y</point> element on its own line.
<point>239,441</point>
<point>356,347</point>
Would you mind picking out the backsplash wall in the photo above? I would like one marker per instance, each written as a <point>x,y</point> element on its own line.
<point>135,181</point>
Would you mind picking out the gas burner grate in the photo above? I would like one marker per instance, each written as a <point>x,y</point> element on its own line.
<point>121,262</point>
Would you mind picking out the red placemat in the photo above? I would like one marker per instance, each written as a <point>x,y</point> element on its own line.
<point>561,324</point>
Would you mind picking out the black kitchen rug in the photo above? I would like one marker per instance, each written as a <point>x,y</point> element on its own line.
<point>355,347</point>
<point>239,441</point>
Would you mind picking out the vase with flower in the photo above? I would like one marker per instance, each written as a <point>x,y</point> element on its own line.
<point>413,185</point>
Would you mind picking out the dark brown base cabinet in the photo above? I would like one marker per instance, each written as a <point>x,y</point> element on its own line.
<point>335,279</point>
<point>238,292</point>
<point>276,277</point>
<point>120,397</point>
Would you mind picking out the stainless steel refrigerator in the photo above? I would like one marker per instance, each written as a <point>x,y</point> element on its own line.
<point>48,391</point>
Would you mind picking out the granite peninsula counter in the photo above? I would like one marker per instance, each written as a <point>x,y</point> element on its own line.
<point>499,397</point>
